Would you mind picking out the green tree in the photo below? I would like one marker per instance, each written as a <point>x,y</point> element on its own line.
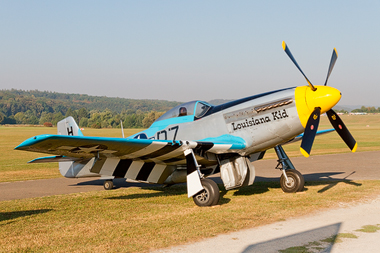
<point>83,113</point>
<point>72,113</point>
<point>2,118</point>
<point>46,117</point>
<point>95,119</point>
<point>83,122</point>
<point>20,118</point>
<point>149,119</point>
<point>57,117</point>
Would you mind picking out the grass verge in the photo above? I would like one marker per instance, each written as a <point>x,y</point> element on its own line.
<point>139,220</point>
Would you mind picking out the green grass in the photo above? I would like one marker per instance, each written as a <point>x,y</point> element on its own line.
<point>369,228</point>
<point>139,220</point>
<point>135,219</point>
<point>347,235</point>
<point>319,246</point>
<point>298,249</point>
<point>332,239</point>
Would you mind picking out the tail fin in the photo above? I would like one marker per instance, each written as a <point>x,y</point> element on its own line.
<point>68,126</point>
<point>80,168</point>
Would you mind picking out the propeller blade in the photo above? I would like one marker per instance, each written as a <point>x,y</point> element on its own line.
<point>310,132</point>
<point>342,130</point>
<point>287,51</point>
<point>334,57</point>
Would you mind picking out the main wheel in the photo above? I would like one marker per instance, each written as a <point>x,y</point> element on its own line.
<point>209,196</point>
<point>108,184</point>
<point>295,181</point>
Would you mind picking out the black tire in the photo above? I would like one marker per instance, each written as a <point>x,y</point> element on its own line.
<point>209,196</point>
<point>108,185</point>
<point>296,181</point>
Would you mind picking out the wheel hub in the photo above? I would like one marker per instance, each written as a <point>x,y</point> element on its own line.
<point>203,196</point>
<point>290,182</point>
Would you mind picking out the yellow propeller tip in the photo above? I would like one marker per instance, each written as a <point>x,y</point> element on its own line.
<point>355,147</point>
<point>304,153</point>
<point>283,45</point>
<point>336,52</point>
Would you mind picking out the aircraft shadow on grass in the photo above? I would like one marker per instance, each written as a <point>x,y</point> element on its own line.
<point>328,178</point>
<point>6,216</point>
<point>325,178</point>
<point>298,239</point>
<point>262,185</point>
<point>118,183</point>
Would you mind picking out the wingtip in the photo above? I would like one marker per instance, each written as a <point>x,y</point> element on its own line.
<point>304,153</point>
<point>22,146</point>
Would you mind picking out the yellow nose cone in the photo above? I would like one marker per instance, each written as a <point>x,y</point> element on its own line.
<point>325,97</point>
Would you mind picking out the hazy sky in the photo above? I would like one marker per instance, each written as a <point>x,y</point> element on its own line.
<point>187,50</point>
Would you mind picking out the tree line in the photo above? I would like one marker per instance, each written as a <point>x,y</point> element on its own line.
<point>367,109</point>
<point>40,107</point>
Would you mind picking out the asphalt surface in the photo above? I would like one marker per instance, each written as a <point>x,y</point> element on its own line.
<point>349,166</point>
<point>306,230</point>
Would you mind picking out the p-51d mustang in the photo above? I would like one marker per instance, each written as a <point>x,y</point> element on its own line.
<point>196,139</point>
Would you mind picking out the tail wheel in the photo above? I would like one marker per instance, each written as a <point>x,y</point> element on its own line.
<point>209,196</point>
<point>295,181</point>
<point>108,185</point>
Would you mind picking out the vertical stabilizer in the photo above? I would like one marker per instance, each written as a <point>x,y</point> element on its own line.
<point>80,168</point>
<point>68,126</point>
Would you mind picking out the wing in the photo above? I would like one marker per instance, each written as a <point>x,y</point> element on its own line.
<point>82,147</point>
<point>139,159</point>
<point>320,132</point>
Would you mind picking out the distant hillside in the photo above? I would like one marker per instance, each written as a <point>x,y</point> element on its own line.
<point>13,101</point>
<point>43,107</point>
<point>32,105</point>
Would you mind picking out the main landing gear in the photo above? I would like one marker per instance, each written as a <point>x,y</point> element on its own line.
<point>209,196</point>
<point>291,180</point>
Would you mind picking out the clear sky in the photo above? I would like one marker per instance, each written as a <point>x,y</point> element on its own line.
<point>187,50</point>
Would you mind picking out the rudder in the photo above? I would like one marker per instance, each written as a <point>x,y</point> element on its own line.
<point>68,126</point>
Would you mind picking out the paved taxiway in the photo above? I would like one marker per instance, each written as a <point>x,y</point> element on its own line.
<point>349,166</point>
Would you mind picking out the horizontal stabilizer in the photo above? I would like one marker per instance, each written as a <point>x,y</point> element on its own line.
<point>51,159</point>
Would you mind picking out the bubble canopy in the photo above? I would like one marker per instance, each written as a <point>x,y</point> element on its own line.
<point>196,108</point>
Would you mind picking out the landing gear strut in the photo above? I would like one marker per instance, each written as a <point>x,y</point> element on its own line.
<point>291,180</point>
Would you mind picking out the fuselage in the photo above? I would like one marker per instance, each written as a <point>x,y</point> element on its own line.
<point>261,121</point>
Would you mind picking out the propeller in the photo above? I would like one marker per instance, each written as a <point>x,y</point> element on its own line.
<point>334,57</point>
<point>313,120</point>
<point>287,51</point>
<point>310,132</point>
<point>342,130</point>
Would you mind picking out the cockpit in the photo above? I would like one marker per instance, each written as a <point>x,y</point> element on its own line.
<point>186,112</point>
<point>195,109</point>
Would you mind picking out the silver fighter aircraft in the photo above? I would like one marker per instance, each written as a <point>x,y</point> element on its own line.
<point>197,139</point>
